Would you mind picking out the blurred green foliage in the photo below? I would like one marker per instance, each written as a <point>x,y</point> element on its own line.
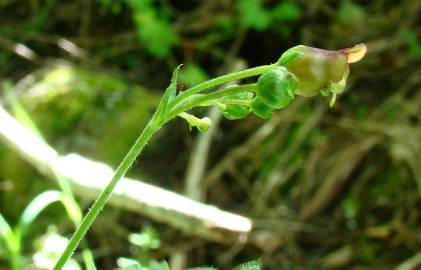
<point>192,74</point>
<point>413,42</point>
<point>255,15</point>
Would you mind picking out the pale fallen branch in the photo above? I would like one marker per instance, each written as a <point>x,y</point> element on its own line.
<point>88,178</point>
<point>411,264</point>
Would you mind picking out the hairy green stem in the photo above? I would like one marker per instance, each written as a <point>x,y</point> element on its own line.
<point>199,99</point>
<point>244,102</point>
<point>105,195</point>
<point>224,79</point>
<point>165,112</point>
<point>87,255</point>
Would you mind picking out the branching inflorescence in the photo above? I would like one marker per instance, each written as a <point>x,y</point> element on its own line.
<point>301,70</point>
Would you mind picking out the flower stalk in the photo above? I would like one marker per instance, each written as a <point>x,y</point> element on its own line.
<point>301,70</point>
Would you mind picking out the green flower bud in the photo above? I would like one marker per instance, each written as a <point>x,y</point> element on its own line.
<point>261,109</point>
<point>202,124</point>
<point>323,71</point>
<point>236,111</point>
<point>276,87</point>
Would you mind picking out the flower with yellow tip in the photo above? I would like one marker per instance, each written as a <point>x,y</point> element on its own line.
<point>322,71</point>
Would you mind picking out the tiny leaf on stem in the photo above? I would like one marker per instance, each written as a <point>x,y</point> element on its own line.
<point>170,93</point>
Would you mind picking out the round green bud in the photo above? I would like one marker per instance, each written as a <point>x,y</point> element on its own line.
<point>236,111</point>
<point>261,109</point>
<point>276,87</point>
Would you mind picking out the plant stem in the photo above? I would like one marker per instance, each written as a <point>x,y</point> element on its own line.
<point>224,79</point>
<point>196,100</point>
<point>243,102</point>
<point>153,125</point>
<point>183,102</point>
<point>15,261</point>
<point>15,251</point>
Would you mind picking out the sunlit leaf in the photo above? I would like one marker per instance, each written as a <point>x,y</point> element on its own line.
<point>252,265</point>
<point>131,267</point>
<point>36,206</point>
<point>161,266</point>
<point>128,264</point>
<point>18,110</point>
<point>49,248</point>
<point>6,234</point>
<point>147,239</point>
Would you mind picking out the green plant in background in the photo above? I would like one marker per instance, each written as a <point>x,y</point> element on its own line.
<point>252,265</point>
<point>48,249</point>
<point>192,74</point>
<point>414,45</point>
<point>12,238</point>
<point>131,264</point>
<point>147,240</point>
<point>351,14</point>
<point>152,24</point>
<point>153,28</point>
<point>67,197</point>
<point>253,13</point>
<point>134,265</point>
<point>143,242</point>
<point>301,70</point>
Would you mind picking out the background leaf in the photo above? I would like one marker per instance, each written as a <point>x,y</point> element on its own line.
<point>252,265</point>
<point>36,206</point>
